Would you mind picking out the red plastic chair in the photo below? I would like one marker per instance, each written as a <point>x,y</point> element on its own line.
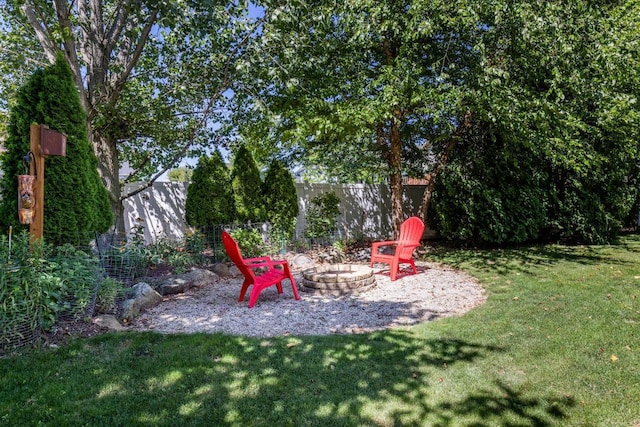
<point>273,276</point>
<point>410,234</point>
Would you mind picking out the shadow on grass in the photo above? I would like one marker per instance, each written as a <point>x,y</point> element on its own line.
<point>521,259</point>
<point>385,378</point>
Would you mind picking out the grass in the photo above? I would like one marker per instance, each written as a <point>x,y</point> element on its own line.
<point>557,343</point>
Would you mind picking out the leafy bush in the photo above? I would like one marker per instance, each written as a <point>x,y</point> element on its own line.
<point>322,215</point>
<point>79,271</point>
<point>195,244</point>
<point>250,241</point>
<point>496,190</point>
<point>109,292</point>
<point>30,297</point>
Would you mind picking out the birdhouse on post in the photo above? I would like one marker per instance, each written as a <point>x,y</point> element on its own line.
<point>43,142</point>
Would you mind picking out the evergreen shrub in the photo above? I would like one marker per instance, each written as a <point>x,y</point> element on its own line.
<point>280,200</point>
<point>210,196</point>
<point>246,185</point>
<point>76,202</point>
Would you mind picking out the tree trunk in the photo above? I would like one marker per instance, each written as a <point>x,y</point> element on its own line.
<point>108,167</point>
<point>443,158</point>
<point>395,175</point>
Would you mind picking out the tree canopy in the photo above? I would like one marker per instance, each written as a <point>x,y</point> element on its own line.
<point>395,87</point>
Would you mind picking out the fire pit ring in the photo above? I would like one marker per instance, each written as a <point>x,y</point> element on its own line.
<point>338,279</point>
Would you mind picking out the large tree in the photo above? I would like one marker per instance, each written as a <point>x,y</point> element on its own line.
<point>406,82</point>
<point>371,83</point>
<point>152,75</point>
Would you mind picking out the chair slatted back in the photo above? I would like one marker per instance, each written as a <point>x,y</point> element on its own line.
<point>233,250</point>
<point>411,232</point>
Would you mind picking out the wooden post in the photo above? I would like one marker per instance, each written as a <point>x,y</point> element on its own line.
<point>36,228</point>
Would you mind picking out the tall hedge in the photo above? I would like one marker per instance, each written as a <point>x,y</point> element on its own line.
<point>247,187</point>
<point>490,191</point>
<point>210,196</point>
<point>280,199</point>
<point>76,202</point>
<point>498,191</point>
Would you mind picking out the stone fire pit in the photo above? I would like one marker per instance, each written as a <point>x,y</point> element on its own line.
<point>338,279</point>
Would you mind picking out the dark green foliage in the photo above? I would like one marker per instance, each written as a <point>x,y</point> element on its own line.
<point>76,202</point>
<point>493,191</point>
<point>210,195</point>
<point>280,199</point>
<point>490,192</point>
<point>246,183</point>
<point>321,217</point>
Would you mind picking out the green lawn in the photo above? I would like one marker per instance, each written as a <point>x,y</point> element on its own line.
<point>557,343</point>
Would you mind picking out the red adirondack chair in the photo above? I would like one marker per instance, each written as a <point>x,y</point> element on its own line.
<point>409,239</point>
<point>273,276</point>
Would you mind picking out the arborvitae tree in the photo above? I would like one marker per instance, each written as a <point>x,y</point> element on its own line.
<point>76,202</point>
<point>280,199</point>
<point>210,196</point>
<point>246,187</point>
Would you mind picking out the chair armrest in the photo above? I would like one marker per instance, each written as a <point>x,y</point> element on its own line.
<point>376,245</point>
<point>256,259</point>
<point>267,262</point>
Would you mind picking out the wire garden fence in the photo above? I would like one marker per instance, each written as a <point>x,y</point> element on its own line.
<point>41,288</point>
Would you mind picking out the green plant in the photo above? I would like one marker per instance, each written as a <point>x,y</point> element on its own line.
<point>195,244</point>
<point>281,200</point>
<point>79,271</point>
<point>322,215</point>
<point>340,245</point>
<point>108,293</point>
<point>250,241</point>
<point>210,195</point>
<point>245,179</point>
<point>30,297</point>
<point>77,201</point>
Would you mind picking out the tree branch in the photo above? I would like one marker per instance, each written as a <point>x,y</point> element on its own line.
<point>42,31</point>
<point>71,54</point>
<point>119,81</point>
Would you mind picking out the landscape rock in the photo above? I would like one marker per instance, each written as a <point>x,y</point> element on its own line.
<point>182,283</point>
<point>146,296</point>
<point>143,296</point>
<point>221,270</point>
<point>129,310</point>
<point>110,322</point>
<point>301,262</point>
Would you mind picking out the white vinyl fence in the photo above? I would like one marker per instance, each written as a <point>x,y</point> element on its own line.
<point>365,209</point>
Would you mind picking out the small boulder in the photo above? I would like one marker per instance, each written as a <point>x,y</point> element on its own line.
<point>142,297</point>
<point>110,322</point>
<point>301,262</point>
<point>221,270</point>
<point>182,283</point>
<point>129,310</point>
<point>146,296</point>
